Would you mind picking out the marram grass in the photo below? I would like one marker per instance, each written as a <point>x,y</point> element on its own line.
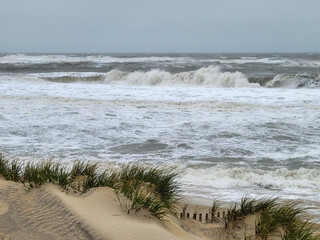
<point>157,189</point>
<point>153,188</point>
<point>285,221</point>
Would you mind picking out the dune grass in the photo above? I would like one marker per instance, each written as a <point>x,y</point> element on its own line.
<point>251,206</point>
<point>10,170</point>
<point>153,188</point>
<point>81,176</point>
<point>36,174</point>
<point>214,208</point>
<point>157,189</point>
<point>285,221</point>
<point>246,207</point>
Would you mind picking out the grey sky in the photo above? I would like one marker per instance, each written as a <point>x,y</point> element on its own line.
<point>159,26</point>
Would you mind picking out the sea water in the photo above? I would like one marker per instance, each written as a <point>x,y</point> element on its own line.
<point>235,124</point>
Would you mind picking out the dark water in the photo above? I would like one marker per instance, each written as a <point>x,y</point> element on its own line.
<point>302,69</point>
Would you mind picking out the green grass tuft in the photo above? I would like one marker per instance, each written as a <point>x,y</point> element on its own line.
<point>153,188</point>
<point>285,220</point>
<point>10,170</point>
<point>213,210</point>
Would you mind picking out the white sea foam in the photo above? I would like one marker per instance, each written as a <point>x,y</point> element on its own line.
<point>45,59</point>
<point>211,77</point>
<point>208,77</point>
<point>300,180</point>
<point>285,62</point>
<point>22,59</point>
<point>241,135</point>
<point>64,77</point>
<point>232,183</point>
<point>295,81</point>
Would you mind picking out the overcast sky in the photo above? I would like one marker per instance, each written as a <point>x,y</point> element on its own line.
<point>159,26</point>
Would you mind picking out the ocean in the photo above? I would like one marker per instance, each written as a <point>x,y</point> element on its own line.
<point>235,124</point>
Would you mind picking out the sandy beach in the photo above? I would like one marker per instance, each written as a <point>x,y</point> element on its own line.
<point>49,213</point>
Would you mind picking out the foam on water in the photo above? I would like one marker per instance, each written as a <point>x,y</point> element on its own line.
<point>295,81</point>
<point>230,136</point>
<point>204,77</point>
<point>45,59</point>
<point>231,184</point>
<point>210,76</point>
<point>295,182</point>
<point>105,59</point>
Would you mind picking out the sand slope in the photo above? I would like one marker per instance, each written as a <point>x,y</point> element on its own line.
<point>48,213</point>
<point>37,215</point>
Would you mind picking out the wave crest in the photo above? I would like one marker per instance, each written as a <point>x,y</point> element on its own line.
<point>300,179</point>
<point>303,80</point>
<point>210,76</point>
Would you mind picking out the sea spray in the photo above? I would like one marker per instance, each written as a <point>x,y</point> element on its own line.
<point>211,76</point>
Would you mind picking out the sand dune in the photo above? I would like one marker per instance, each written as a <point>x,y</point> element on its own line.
<point>49,213</point>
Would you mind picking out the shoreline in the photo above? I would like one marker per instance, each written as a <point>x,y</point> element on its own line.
<point>95,214</point>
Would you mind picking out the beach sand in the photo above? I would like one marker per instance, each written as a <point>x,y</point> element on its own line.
<point>49,213</point>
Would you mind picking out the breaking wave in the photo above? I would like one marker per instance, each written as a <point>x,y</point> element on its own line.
<point>63,77</point>
<point>295,81</point>
<point>73,77</point>
<point>297,181</point>
<point>284,62</point>
<point>23,59</point>
<point>207,77</point>
<point>46,59</point>
<point>210,77</point>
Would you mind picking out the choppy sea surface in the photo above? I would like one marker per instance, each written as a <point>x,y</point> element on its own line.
<point>235,123</point>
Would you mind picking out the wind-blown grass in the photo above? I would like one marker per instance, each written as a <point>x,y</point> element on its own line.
<point>251,206</point>
<point>34,175</point>
<point>246,207</point>
<point>162,180</point>
<point>81,176</point>
<point>213,210</point>
<point>288,219</point>
<point>10,170</point>
<point>153,188</point>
